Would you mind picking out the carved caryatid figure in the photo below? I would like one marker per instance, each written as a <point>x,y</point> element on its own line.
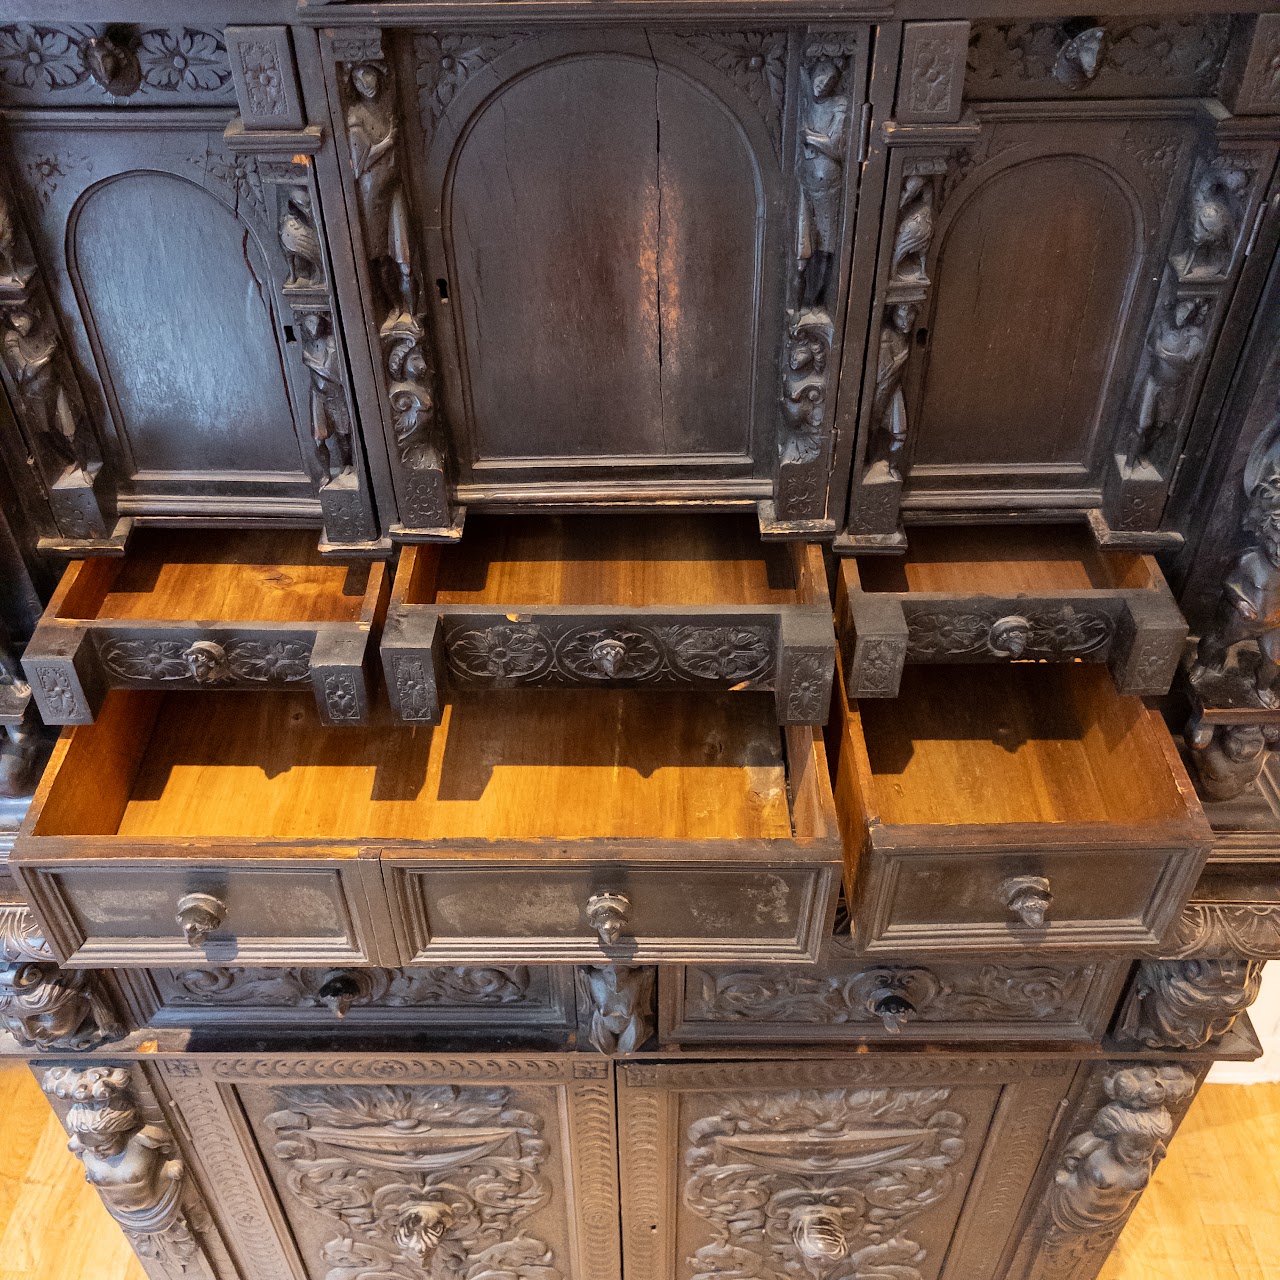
<point>805,382</point>
<point>31,353</point>
<point>132,1164</point>
<point>889,408</point>
<point>915,228</point>
<point>330,421</point>
<point>371,137</point>
<point>823,131</point>
<point>1183,1004</point>
<point>300,240</point>
<point>1174,348</point>
<point>1104,1170</point>
<point>1250,605</point>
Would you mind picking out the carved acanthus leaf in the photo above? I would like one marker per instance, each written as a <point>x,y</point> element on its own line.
<point>1223,929</point>
<point>756,61</point>
<point>444,63</point>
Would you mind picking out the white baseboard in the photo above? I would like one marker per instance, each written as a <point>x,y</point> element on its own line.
<point>1265,1015</point>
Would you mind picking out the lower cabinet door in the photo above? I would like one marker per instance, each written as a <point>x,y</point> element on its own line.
<point>341,1166</point>
<point>906,1169</point>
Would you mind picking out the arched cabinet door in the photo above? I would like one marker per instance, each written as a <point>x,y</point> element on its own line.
<point>604,266</point>
<point>169,335</point>
<point>1056,260</point>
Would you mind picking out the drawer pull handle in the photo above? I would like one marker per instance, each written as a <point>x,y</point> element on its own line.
<point>1029,898</point>
<point>339,992</point>
<point>199,914</point>
<point>421,1227</point>
<point>893,1010</point>
<point>607,913</point>
<point>818,1233</point>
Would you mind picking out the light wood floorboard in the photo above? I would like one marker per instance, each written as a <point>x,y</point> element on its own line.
<point>1212,1211</point>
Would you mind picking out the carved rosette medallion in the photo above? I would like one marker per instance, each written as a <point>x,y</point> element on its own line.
<point>832,1177</point>
<point>423,1180</point>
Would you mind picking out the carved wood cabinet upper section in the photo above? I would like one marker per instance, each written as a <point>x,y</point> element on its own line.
<point>846,274</point>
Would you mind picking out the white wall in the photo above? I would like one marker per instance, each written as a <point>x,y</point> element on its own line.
<point>1265,1015</point>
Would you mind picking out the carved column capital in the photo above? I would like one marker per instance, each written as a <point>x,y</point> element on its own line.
<point>616,1002</point>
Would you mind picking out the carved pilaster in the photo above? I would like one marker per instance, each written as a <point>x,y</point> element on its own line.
<point>1103,1170</point>
<point>408,367</point>
<point>132,1161</point>
<point>1184,1004</point>
<point>42,387</point>
<point>825,135</point>
<point>616,1003</point>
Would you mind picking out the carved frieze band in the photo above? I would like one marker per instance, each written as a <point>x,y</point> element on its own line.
<point>573,653</point>
<point>428,1179</point>
<point>1155,56</point>
<point>834,1179</point>
<point>1105,1168</point>
<point>825,133</point>
<point>895,992</point>
<point>199,659</point>
<point>132,1161</point>
<point>374,155</point>
<point>125,63</point>
<point>1221,930</point>
<point>1066,632</point>
<point>1184,1004</point>
<point>371,1067</point>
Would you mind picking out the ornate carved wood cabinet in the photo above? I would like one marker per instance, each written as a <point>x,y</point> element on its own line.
<point>663,620</point>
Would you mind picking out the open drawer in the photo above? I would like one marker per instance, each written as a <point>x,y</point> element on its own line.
<point>613,825</point>
<point>208,609</point>
<point>1022,808</point>
<point>1004,594</point>
<point>697,602</point>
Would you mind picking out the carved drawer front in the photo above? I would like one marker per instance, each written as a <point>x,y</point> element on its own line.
<point>619,825</point>
<point>695,602</point>
<point>847,1001</point>
<point>991,595</point>
<point>470,998</point>
<point>1005,380</point>
<point>407,1167</point>
<point>209,611</point>
<point>913,1169</point>
<point>1027,807</point>
<point>173,346</point>
<point>180,829</point>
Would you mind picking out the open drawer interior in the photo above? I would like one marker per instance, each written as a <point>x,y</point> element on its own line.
<point>1024,805</point>
<point>208,609</point>
<point>199,791</point>
<point>556,601</point>
<point>1007,594</point>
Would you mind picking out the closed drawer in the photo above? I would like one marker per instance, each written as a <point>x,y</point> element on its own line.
<point>849,1001</point>
<point>212,611</point>
<point>1006,594</point>
<point>457,999</point>
<point>621,825</point>
<point>1024,808</point>
<point>693,602</point>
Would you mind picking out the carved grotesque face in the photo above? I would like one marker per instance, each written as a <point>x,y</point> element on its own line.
<point>1243,742</point>
<point>207,661</point>
<point>422,1227</point>
<point>608,656</point>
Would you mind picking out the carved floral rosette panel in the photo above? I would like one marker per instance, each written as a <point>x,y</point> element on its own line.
<point>207,659</point>
<point>456,1168</point>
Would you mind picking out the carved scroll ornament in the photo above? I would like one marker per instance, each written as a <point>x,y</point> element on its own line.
<point>833,1176</point>
<point>435,1180</point>
<point>133,1164</point>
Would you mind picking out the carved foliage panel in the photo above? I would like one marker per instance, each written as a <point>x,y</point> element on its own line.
<point>457,1180</point>
<point>810,1183</point>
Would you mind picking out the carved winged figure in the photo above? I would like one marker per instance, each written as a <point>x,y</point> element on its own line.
<point>823,130</point>
<point>915,229</point>
<point>299,239</point>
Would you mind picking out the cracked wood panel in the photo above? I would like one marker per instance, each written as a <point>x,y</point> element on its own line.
<point>618,184</point>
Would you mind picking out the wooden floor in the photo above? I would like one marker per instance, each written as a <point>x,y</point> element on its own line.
<point>1212,1213</point>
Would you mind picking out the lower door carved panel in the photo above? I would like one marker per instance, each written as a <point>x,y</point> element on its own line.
<point>880,1169</point>
<point>349,1167</point>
